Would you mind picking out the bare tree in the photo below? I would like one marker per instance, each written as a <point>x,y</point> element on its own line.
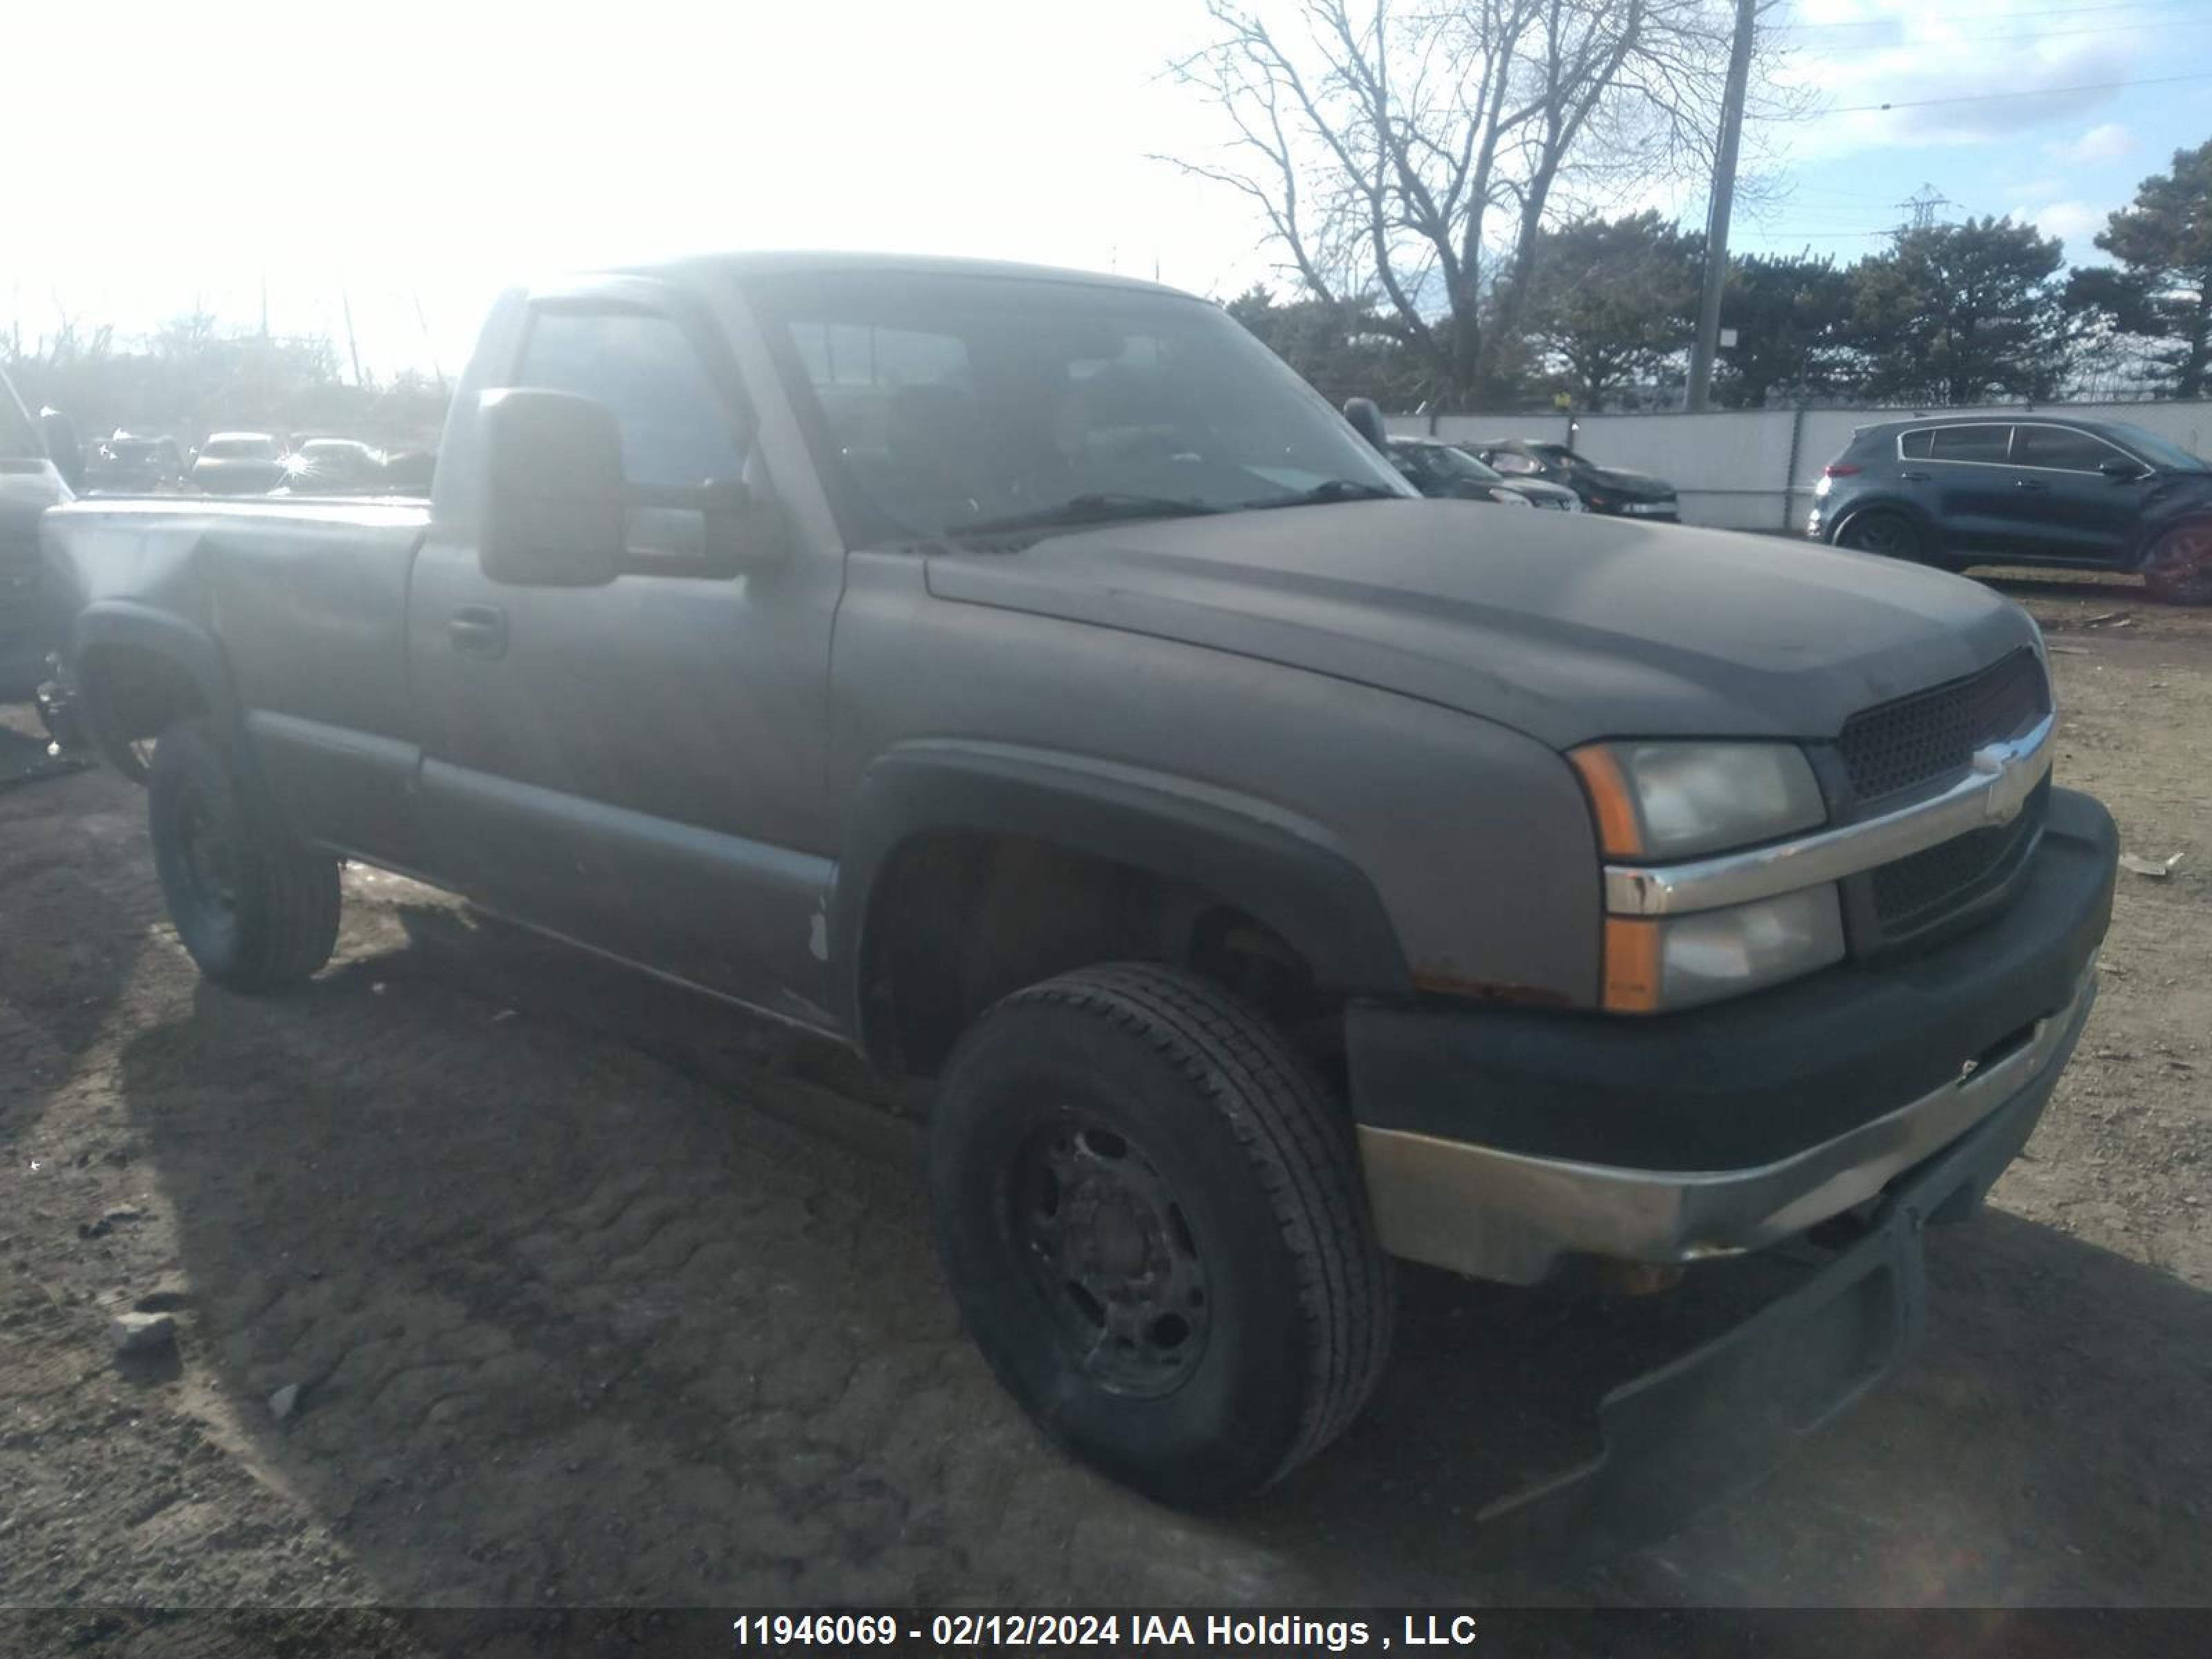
<point>1410,154</point>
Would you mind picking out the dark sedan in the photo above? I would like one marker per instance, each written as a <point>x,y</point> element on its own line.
<point>2040,489</point>
<point>1609,490</point>
<point>1439,471</point>
<point>239,463</point>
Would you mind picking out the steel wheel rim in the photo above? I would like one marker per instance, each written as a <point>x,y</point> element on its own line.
<point>206,858</point>
<point>1108,1249</point>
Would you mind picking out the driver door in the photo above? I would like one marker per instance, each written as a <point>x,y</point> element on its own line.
<point>638,765</point>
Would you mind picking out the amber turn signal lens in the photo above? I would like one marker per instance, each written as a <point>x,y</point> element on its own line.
<point>1610,801</point>
<point>1631,965</point>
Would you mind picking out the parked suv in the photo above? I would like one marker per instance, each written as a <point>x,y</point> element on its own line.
<point>2084,495</point>
<point>1609,490</point>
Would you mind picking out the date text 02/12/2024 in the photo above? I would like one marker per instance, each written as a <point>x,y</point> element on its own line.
<point>950,1632</point>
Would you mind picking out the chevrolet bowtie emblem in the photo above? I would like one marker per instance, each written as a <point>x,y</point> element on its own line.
<point>2007,769</point>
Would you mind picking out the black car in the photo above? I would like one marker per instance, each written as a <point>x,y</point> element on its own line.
<point>1460,461</point>
<point>2036,489</point>
<point>1439,470</point>
<point>128,466</point>
<point>1609,489</point>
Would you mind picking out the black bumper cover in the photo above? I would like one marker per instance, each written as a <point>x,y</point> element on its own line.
<point>1713,1421</point>
<point>1746,1083</point>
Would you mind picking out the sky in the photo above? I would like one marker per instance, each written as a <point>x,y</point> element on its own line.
<point>406,160</point>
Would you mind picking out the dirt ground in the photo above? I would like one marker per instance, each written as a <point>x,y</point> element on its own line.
<point>595,1292</point>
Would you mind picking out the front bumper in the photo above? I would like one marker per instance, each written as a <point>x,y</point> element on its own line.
<point>1498,1143</point>
<point>1714,1420</point>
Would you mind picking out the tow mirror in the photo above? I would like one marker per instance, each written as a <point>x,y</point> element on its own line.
<point>1367,421</point>
<point>552,510</point>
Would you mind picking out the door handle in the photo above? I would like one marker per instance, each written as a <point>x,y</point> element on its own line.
<point>2028,483</point>
<point>1914,478</point>
<point>478,630</point>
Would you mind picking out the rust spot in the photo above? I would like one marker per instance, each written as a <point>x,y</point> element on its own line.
<point>1440,983</point>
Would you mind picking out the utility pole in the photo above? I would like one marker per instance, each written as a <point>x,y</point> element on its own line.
<point>353,346</point>
<point>1708,342</point>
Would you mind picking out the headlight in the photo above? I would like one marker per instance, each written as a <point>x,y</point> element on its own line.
<point>1671,801</point>
<point>1677,962</point>
<point>1508,497</point>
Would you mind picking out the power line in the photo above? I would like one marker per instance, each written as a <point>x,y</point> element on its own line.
<point>2024,37</point>
<point>2039,92</point>
<point>1900,19</point>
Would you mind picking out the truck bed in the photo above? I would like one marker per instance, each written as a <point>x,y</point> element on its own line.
<point>308,596</point>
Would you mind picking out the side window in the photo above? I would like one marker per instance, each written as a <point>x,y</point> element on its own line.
<point>1913,445</point>
<point>2061,448</point>
<point>676,429</point>
<point>1507,460</point>
<point>1970,443</point>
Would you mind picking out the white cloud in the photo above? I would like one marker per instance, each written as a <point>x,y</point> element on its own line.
<point>2108,141</point>
<point>2074,223</point>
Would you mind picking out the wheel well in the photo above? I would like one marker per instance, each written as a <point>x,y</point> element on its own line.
<point>131,692</point>
<point>959,920</point>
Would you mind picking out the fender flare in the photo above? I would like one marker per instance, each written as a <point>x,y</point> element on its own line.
<point>161,634</point>
<point>1283,869</point>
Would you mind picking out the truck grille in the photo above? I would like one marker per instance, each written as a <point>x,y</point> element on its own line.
<point>1915,891</point>
<point>1933,734</point>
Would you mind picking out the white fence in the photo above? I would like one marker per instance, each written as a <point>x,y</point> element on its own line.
<point>1755,468</point>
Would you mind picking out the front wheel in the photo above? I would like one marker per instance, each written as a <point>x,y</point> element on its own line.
<point>254,911</point>
<point>2178,570</point>
<point>1152,1215</point>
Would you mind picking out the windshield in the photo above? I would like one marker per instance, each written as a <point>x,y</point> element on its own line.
<point>2156,450</point>
<point>241,449</point>
<point>944,401</point>
<point>129,449</point>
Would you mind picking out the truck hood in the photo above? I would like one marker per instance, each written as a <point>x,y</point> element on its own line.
<point>1565,627</point>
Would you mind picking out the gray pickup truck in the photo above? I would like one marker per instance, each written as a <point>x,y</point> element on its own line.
<point>1023,677</point>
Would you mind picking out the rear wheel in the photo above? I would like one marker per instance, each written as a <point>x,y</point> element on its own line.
<point>2178,570</point>
<point>254,911</point>
<point>1892,535</point>
<point>1151,1212</point>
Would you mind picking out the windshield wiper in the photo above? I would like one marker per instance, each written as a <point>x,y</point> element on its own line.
<point>1331,489</point>
<point>1101,507</point>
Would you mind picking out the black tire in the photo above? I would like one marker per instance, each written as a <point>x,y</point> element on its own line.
<point>1147,1081</point>
<point>254,911</point>
<point>1892,535</point>
<point>2178,570</point>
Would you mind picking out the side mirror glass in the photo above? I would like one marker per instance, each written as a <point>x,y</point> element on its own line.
<point>553,497</point>
<point>1366,419</point>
